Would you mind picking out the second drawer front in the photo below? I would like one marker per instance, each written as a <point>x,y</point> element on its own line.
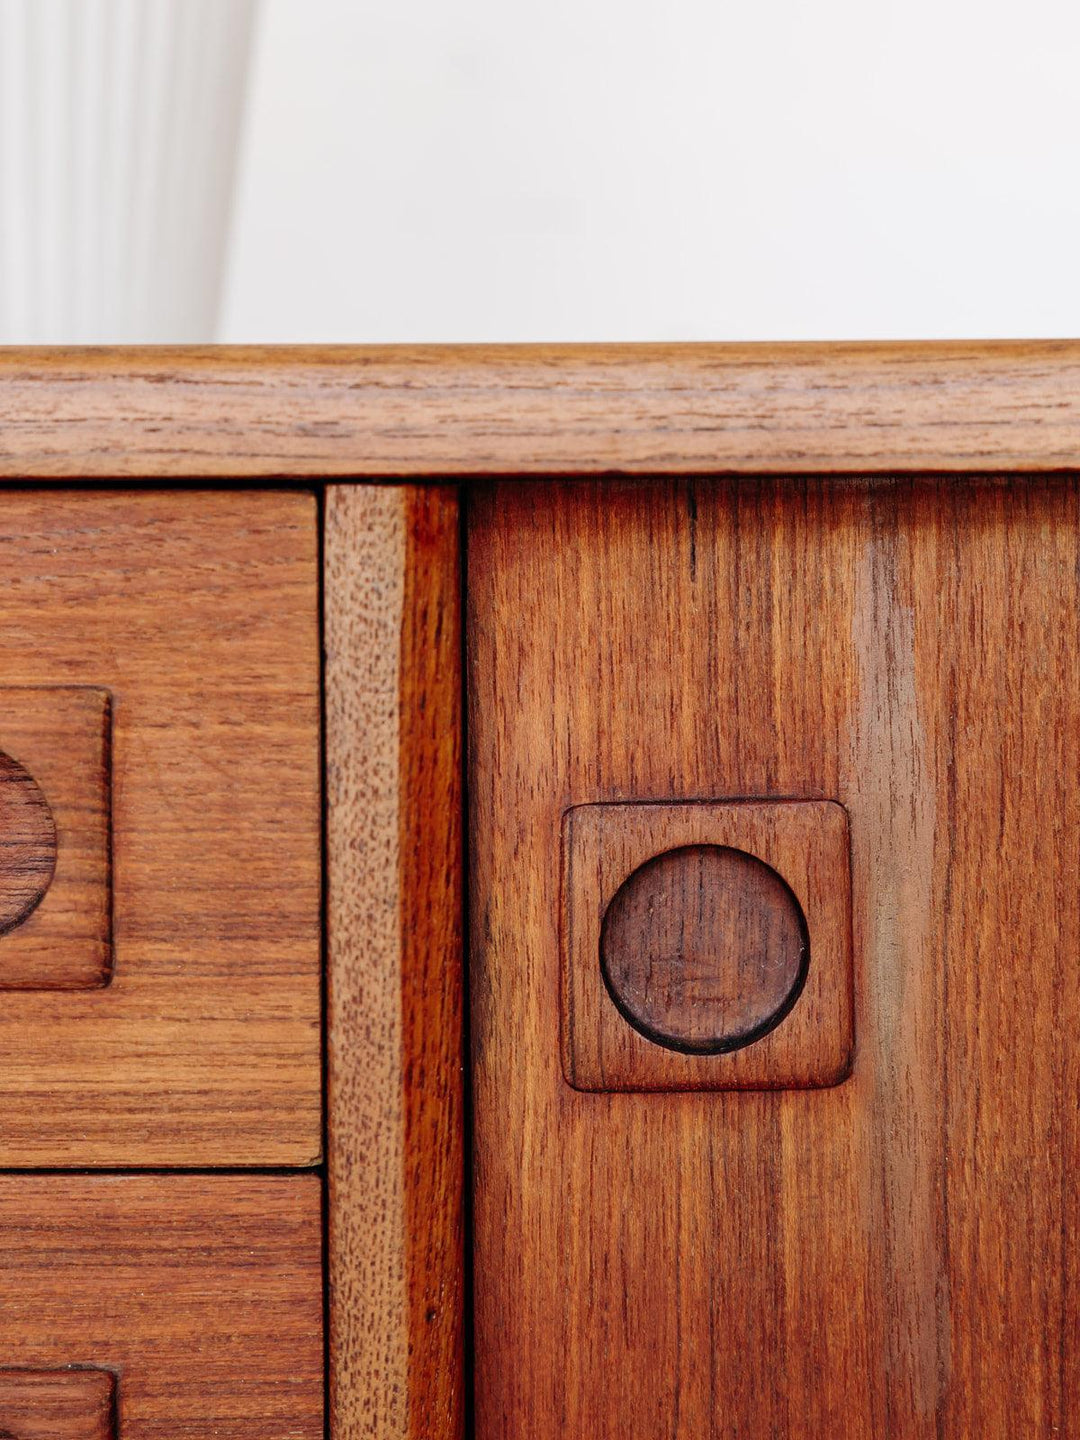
<point>188,1305</point>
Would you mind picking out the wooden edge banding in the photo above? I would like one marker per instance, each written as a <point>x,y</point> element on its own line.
<point>395,962</point>
<point>57,1404</point>
<point>393,411</point>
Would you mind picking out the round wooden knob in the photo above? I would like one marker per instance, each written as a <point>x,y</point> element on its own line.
<point>704,949</point>
<point>27,843</point>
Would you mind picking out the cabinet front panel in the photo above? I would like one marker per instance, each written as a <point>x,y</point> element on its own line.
<point>891,1255</point>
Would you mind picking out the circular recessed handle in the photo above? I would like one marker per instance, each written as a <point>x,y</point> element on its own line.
<point>704,949</point>
<point>27,843</point>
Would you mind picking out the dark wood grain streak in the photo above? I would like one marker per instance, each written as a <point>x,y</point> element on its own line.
<point>396,963</point>
<point>894,1257</point>
<point>391,411</point>
<point>57,1405</point>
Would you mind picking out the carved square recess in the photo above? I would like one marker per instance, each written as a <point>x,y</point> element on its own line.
<point>707,946</point>
<point>57,1404</point>
<point>55,881</point>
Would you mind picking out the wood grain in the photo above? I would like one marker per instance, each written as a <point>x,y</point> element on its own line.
<point>201,1292</point>
<point>606,847</point>
<point>395,963</point>
<point>894,1257</point>
<point>57,1405</point>
<point>199,613</point>
<point>393,411</point>
<point>60,936</point>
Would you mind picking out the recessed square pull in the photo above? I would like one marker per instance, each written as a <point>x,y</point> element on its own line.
<point>57,1404</point>
<point>55,882</point>
<point>707,946</point>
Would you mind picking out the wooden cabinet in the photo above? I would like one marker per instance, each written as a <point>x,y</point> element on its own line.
<point>736,688</point>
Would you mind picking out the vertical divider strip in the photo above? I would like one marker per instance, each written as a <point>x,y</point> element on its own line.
<point>395,962</point>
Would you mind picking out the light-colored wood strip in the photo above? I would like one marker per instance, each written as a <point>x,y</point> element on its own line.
<point>395,962</point>
<point>152,413</point>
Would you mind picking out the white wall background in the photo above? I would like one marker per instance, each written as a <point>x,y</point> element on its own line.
<point>681,169</point>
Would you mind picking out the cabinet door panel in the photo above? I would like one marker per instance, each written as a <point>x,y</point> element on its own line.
<point>891,1256</point>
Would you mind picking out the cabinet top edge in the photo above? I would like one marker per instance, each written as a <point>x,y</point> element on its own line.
<point>291,413</point>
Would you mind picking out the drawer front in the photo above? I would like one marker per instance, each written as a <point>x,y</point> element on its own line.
<point>159,725</point>
<point>191,1306</point>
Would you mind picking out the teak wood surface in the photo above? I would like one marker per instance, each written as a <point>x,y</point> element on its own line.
<point>200,1292</point>
<point>57,1405</point>
<point>199,613</point>
<point>806,843</point>
<point>395,963</point>
<point>893,1257</point>
<point>427,410</point>
<point>58,738</point>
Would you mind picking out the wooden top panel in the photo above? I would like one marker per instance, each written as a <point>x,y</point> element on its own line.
<point>472,410</point>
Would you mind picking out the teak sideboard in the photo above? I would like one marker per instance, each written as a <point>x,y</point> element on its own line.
<point>539,893</point>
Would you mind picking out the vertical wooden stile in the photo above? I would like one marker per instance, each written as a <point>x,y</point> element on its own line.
<point>395,962</point>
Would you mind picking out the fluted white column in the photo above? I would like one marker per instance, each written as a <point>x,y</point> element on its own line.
<point>119,122</point>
